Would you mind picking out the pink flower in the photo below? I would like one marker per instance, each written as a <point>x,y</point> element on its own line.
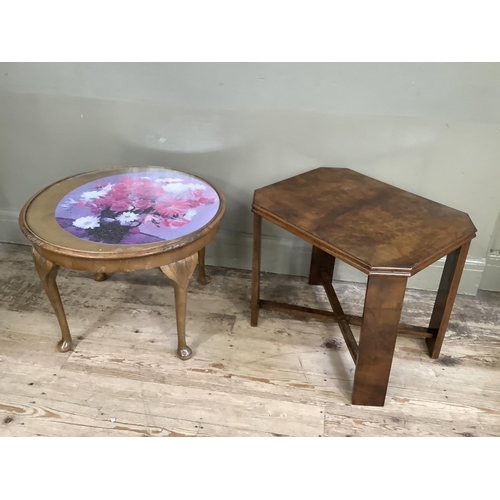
<point>174,222</point>
<point>172,207</point>
<point>150,218</point>
<point>119,190</point>
<point>206,201</point>
<point>127,181</point>
<point>179,222</point>
<point>168,203</point>
<point>194,203</point>
<point>120,205</point>
<point>150,192</point>
<point>101,202</point>
<point>142,204</point>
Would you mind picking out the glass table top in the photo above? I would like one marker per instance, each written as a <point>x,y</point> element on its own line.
<point>137,207</point>
<point>141,209</point>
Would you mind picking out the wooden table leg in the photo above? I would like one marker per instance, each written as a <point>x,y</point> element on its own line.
<point>445,298</point>
<point>320,260</point>
<point>383,305</point>
<point>100,276</point>
<point>257,225</point>
<point>203,279</point>
<point>47,271</point>
<point>180,272</point>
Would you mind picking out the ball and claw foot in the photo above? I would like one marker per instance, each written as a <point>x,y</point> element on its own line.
<point>204,279</point>
<point>100,276</point>
<point>185,353</point>
<point>63,346</point>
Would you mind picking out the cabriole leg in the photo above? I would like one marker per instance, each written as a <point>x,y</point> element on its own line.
<point>47,271</point>
<point>180,272</point>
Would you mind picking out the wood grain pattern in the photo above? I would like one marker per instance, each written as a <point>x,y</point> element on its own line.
<point>379,330</point>
<point>445,298</point>
<point>254,305</point>
<point>329,316</point>
<point>320,261</point>
<point>373,226</point>
<point>287,377</point>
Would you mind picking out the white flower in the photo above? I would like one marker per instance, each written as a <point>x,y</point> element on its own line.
<point>127,217</point>
<point>168,179</point>
<point>197,186</point>
<point>69,204</point>
<point>175,187</point>
<point>190,214</point>
<point>89,222</point>
<point>92,195</point>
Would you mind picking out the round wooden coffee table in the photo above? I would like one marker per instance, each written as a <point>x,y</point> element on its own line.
<point>123,219</point>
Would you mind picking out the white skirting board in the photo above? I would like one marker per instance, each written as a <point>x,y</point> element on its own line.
<point>491,276</point>
<point>292,256</point>
<point>9,228</point>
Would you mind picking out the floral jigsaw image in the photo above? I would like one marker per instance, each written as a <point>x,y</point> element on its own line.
<point>136,208</point>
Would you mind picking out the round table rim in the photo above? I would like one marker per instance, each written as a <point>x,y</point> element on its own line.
<point>131,251</point>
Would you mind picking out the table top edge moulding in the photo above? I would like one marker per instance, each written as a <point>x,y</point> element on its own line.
<point>73,246</point>
<point>347,246</point>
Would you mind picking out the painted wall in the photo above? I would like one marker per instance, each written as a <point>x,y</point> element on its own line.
<point>496,239</point>
<point>430,128</point>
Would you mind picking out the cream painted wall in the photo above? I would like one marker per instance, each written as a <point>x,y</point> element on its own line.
<point>496,239</point>
<point>433,129</point>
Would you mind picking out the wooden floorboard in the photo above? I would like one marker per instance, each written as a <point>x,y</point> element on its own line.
<point>287,377</point>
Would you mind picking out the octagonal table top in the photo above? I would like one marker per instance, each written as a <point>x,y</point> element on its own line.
<point>126,210</point>
<point>375,227</point>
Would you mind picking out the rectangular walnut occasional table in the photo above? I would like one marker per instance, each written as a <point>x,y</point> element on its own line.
<point>385,232</point>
